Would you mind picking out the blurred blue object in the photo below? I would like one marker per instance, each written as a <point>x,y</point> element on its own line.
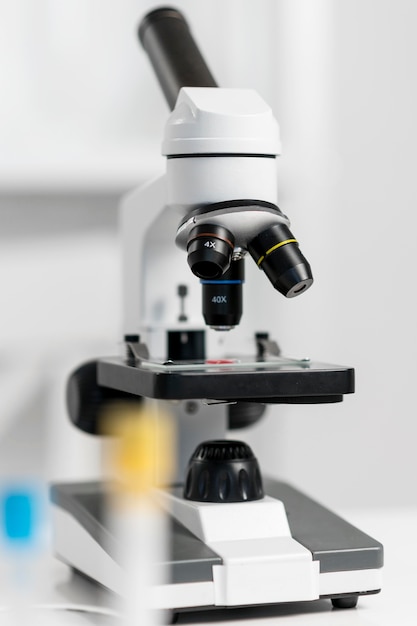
<point>20,515</point>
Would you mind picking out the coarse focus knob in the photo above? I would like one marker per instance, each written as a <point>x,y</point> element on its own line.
<point>223,471</point>
<point>88,402</point>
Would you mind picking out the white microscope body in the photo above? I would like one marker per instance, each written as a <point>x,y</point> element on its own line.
<point>234,543</point>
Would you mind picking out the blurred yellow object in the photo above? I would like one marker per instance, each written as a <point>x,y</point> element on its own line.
<point>140,460</point>
<point>142,456</point>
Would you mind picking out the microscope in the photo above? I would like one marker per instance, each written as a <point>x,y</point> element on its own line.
<point>237,538</point>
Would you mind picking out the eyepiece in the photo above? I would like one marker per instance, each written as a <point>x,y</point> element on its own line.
<point>276,251</point>
<point>174,55</point>
<point>210,249</point>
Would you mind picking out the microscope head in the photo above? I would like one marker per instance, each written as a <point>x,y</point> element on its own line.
<point>221,147</point>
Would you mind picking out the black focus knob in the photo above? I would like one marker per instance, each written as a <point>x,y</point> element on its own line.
<point>223,471</point>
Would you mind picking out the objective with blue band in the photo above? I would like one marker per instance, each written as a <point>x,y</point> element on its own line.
<point>221,282</point>
<point>223,297</point>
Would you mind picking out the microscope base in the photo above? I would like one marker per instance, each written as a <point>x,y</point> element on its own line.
<point>342,562</point>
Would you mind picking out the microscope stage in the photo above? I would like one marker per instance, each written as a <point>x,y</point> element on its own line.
<point>274,380</point>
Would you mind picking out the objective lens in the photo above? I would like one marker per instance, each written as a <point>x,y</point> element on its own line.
<point>276,251</point>
<point>222,299</point>
<point>210,249</point>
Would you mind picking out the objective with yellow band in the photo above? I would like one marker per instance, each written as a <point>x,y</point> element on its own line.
<point>276,251</point>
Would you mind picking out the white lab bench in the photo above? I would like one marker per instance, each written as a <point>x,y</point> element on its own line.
<point>62,598</point>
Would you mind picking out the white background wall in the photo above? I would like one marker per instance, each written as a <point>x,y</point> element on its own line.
<point>81,118</point>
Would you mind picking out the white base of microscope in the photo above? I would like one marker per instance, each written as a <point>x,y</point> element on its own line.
<point>258,561</point>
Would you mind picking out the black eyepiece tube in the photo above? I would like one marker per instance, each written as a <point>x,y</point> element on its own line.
<point>174,55</point>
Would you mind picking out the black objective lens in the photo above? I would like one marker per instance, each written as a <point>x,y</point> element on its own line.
<point>276,251</point>
<point>210,249</point>
<point>222,299</point>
